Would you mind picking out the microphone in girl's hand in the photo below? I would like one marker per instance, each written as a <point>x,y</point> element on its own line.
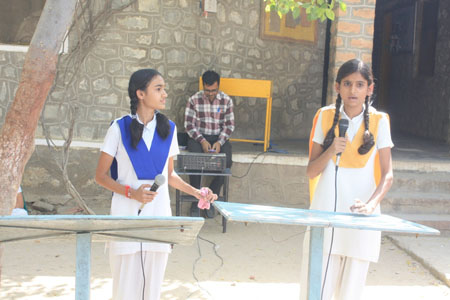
<point>343,126</point>
<point>159,180</point>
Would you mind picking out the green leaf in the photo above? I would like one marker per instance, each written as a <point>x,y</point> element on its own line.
<point>343,6</point>
<point>296,13</point>
<point>314,15</point>
<point>330,14</point>
<point>267,9</point>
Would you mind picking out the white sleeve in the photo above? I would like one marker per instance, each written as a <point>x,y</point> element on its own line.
<point>319,136</point>
<point>384,133</point>
<point>174,150</point>
<point>112,140</point>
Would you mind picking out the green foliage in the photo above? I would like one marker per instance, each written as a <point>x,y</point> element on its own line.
<point>315,9</point>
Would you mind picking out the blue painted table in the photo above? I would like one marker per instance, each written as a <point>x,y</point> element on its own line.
<point>172,230</point>
<point>317,220</point>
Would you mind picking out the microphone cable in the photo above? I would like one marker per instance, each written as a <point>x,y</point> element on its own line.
<point>143,272</point>
<point>142,265</point>
<point>249,167</point>
<point>215,247</point>
<point>332,230</point>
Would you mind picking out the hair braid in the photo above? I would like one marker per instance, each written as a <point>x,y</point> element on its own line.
<point>162,125</point>
<point>139,80</point>
<point>330,134</point>
<point>368,141</point>
<point>136,128</point>
<point>133,105</point>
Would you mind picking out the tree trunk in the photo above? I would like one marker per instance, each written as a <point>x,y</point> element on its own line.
<point>38,74</point>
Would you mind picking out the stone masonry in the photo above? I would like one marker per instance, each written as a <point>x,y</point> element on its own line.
<point>174,38</point>
<point>351,37</point>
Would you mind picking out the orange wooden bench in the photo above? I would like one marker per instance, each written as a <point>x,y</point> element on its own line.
<point>249,88</point>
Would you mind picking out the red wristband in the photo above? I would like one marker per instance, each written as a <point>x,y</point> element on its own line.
<point>127,191</point>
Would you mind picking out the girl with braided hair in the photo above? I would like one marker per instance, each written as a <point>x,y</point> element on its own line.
<point>138,147</point>
<point>357,184</point>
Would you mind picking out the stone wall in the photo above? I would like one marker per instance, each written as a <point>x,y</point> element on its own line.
<point>173,37</point>
<point>10,67</point>
<point>351,37</point>
<point>43,186</point>
<point>270,184</point>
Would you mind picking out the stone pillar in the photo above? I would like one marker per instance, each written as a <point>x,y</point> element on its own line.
<point>351,37</point>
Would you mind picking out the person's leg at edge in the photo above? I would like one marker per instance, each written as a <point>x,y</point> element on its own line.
<point>333,273</point>
<point>128,281</point>
<point>155,264</point>
<point>353,280</point>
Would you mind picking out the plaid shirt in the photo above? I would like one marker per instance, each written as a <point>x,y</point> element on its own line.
<point>205,118</point>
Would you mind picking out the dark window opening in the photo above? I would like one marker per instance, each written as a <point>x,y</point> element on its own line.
<point>427,50</point>
<point>18,20</point>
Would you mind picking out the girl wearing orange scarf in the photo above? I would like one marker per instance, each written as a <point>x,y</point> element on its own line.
<point>362,178</point>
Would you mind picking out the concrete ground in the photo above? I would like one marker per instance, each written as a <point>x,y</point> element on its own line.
<point>254,261</point>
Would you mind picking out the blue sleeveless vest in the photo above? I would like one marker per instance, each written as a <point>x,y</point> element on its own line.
<point>146,163</point>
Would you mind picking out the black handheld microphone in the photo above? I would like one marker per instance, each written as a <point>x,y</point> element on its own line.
<point>343,126</point>
<point>159,180</point>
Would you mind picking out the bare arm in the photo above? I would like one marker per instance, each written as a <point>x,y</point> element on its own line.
<point>102,177</point>
<point>319,158</point>
<point>19,201</point>
<point>383,187</point>
<point>177,182</point>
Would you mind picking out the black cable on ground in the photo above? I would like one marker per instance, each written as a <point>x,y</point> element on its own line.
<point>199,257</point>
<point>249,167</point>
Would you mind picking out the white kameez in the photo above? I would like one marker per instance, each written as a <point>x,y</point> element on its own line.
<point>122,253</point>
<point>352,184</point>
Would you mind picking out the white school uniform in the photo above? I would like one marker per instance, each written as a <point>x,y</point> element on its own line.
<point>352,184</point>
<point>125,257</point>
<point>19,211</point>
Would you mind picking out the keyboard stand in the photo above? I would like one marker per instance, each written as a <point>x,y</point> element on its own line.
<point>188,198</point>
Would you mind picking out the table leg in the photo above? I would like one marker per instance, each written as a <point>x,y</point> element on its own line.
<point>83,267</point>
<point>225,199</point>
<point>177,202</point>
<point>315,263</point>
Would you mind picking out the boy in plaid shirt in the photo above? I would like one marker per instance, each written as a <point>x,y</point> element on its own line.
<point>209,122</point>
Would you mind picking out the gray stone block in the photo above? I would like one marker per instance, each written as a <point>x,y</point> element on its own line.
<point>176,56</point>
<point>98,115</point>
<point>43,206</point>
<point>134,22</point>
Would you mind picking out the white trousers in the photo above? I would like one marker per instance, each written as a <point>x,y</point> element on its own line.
<point>128,279</point>
<point>345,279</point>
